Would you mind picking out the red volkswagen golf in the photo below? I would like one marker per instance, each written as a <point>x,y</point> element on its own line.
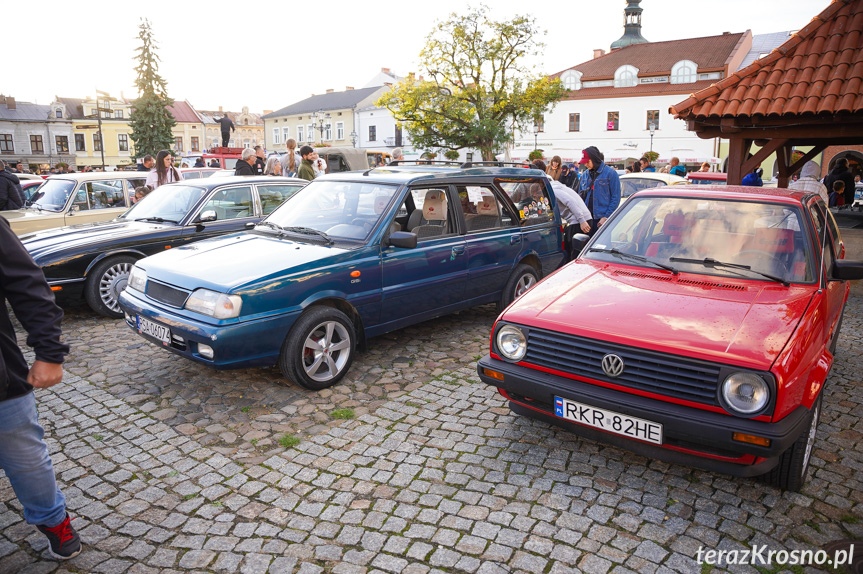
<point>698,327</point>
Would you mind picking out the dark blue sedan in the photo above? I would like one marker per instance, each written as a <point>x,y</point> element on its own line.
<point>350,256</point>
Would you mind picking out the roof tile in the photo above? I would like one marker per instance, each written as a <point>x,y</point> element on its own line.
<point>818,70</point>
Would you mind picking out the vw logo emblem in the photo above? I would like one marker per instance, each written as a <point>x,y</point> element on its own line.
<point>612,365</point>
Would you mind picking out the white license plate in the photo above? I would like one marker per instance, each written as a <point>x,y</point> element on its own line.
<point>608,420</point>
<point>154,330</point>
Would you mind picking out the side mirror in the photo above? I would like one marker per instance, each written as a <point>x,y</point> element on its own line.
<point>403,239</point>
<point>209,215</point>
<point>579,240</point>
<point>847,270</point>
<point>75,208</point>
<point>251,224</point>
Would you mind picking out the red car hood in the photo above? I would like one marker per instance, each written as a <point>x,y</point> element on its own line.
<point>746,323</point>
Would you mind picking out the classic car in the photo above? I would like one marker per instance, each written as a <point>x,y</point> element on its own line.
<point>29,186</point>
<point>350,256</point>
<point>632,182</point>
<point>698,326</point>
<point>73,198</point>
<point>93,260</point>
<point>706,177</point>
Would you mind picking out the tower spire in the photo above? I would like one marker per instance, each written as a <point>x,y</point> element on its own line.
<point>631,25</point>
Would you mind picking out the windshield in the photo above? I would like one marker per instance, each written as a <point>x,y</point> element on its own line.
<point>710,236</point>
<point>168,202</point>
<point>341,209</point>
<point>629,185</point>
<point>52,195</point>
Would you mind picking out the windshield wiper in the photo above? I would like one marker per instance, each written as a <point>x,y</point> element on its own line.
<point>310,231</point>
<point>621,254</point>
<point>275,226</point>
<point>711,262</point>
<point>156,219</point>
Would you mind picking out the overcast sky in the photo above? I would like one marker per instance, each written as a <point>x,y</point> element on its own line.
<point>270,54</point>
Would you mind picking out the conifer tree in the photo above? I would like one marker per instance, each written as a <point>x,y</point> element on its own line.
<point>151,120</point>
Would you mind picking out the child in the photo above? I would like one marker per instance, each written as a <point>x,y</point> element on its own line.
<point>140,192</point>
<point>837,196</point>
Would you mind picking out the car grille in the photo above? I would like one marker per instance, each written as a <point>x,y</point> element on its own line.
<point>660,373</point>
<point>166,294</point>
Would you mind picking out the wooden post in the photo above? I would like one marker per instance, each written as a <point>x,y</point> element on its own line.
<point>738,150</point>
<point>783,158</point>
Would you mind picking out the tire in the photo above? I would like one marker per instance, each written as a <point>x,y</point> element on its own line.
<point>523,278</point>
<point>106,282</point>
<point>301,359</point>
<point>790,473</point>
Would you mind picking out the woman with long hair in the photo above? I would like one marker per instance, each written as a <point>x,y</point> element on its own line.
<point>291,160</point>
<point>555,168</point>
<point>273,166</point>
<point>165,171</point>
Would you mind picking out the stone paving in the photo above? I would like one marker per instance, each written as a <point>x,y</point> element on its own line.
<point>172,467</point>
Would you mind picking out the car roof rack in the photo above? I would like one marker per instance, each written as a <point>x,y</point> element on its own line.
<point>398,162</point>
<point>493,163</point>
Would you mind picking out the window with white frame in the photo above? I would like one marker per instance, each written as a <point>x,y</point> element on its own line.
<point>277,136</point>
<point>340,130</point>
<point>684,72</point>
<point>625,76</point>
<point>301,137</point>
<point>286,134</point>
<point>328,131</point>
<point>310,133</point>
<point>571,79</point>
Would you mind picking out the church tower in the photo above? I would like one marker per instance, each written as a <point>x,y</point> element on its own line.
<point>631,26</point>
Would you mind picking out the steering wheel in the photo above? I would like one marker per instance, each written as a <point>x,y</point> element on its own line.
<point>763,256</point>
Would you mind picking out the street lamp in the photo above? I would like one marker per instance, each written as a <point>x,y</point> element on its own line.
<point>354,138</point>
<point>652,127</point>
<point>318,122</point>
<point>99,109</point>
<point>535,135</point>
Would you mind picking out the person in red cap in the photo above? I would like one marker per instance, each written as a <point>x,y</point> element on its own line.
<point>599,187</point>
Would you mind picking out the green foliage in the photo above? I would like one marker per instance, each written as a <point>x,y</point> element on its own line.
<point>652,155</point>
<point>535,154</point>
<point>344,414</point>
<point>451,154</point>
<point>474,86</point>
<point>288,441</point>
<point>150,120</point>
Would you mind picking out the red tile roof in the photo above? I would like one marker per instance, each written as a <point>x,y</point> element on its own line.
<point>819,70</point>
<point>636,91</point>
<point>183,112</point>
<point>654,58</point>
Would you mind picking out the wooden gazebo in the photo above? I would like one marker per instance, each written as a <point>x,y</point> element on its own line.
<point>807,92</point>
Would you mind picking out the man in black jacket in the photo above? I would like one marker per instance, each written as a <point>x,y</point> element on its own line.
<point>246,165</point>
<point>23,453</point>
<point>11,194</point>
<point>840,172</point>
<point>227,127</point>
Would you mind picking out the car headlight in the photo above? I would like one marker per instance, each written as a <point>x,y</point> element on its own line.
<point>511,343</point>
<point>746,393</point>
<point>137,279</point>
<point>214,304</point>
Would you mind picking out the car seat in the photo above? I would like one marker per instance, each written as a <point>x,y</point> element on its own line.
<point>487,215</point>
<point>380,205</point>
<point>434,212</point>
<point>673,228</point>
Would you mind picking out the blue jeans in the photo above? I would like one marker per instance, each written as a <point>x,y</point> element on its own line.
<point>24,457</point>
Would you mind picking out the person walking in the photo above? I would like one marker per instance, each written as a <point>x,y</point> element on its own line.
<point>676,168</point>
<point>840,172</point>
<point>246,165</point>
<point>309,155</point>
<point>227,127</point>
<point>147,163</point>
<point>291,160</point>
<point>600,188</point>
<point>23,452</point>
<point>808,181</point>
<point>165,171</point>
<point>11,194</point>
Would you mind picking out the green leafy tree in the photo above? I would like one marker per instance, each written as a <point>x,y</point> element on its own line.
<point>475,86</point>
<point>150,119</point>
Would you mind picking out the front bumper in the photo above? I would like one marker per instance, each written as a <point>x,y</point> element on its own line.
<point>254,343</point>
<point>691,436</point>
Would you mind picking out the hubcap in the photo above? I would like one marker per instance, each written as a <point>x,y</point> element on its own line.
<point>326,351</point>
<point>524,283</point>
<point>810,440</point>
<point>112,283</point>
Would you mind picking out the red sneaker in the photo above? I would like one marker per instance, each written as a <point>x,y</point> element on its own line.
<point>63,540</point>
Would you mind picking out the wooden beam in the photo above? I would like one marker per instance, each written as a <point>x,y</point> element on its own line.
<point>783,158</point>
<point>738,149</point>
<point>769,147</point>
<point>798,165</point>
<point>849,132</point>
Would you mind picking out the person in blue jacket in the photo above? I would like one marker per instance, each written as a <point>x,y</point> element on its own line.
<point>599,186</point>
<point>753,179</point>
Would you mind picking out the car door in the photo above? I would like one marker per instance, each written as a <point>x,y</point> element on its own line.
<point>428,280</point>
<point>833,297</point>
<point>97,200</point>
<point>234,207</point>
<point>493,239</point>
<point>273,195</point>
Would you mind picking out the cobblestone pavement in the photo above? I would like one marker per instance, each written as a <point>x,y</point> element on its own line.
<point>172,467</point>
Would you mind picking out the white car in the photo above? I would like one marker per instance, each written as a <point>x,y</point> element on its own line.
<point>632,182</point>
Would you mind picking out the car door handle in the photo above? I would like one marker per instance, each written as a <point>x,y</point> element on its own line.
<point>458,250</point>
<point>514,239</point>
